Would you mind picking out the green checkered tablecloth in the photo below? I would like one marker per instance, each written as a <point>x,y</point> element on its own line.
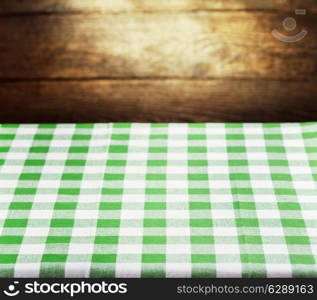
<point>158,200</point>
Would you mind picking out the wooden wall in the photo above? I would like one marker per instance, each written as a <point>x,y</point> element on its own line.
<point>158,61</point>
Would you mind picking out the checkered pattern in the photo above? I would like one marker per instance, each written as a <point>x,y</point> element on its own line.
<point>158,200</point>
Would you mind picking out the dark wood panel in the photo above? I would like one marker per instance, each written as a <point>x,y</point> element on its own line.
<point>164,45</point>
<point>157,101</point>
<point>158,61</point>
<point>115,6</point>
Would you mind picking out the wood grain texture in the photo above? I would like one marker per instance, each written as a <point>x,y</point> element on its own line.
<point>163,45</point>
<point>155,61</point>
<point>119,6</point>
<point>158,101</point>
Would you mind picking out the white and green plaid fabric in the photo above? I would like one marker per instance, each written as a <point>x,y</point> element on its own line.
<point>158,200</point>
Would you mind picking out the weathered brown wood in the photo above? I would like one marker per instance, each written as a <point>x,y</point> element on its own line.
<point>115,6</point>
<point>158,101</point>
<point>155,61</point>
<point>164,45</point>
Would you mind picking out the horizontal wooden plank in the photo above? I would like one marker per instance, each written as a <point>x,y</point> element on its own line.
<point>158,101</point>
<point>182,45</point>
<point>115,6</point>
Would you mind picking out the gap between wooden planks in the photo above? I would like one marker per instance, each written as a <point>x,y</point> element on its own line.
<point>118,6</point>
